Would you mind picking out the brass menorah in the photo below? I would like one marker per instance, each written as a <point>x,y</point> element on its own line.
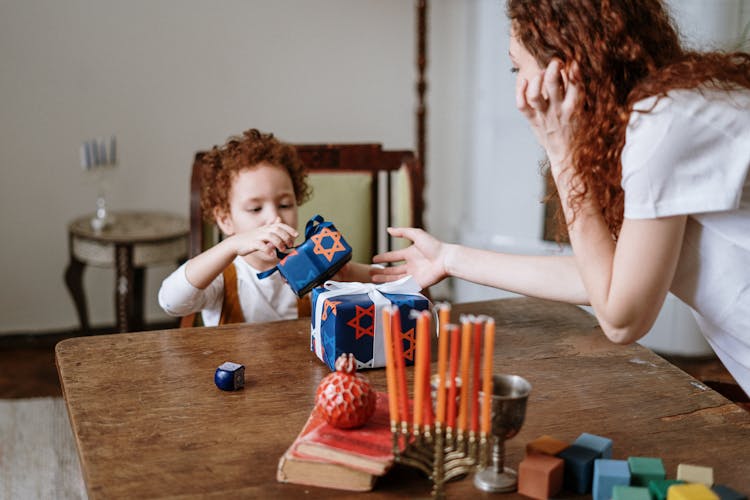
<point>440,455</point>
<point>446,450</point>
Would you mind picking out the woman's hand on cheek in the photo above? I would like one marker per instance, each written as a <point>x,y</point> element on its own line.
<point>548,101</point>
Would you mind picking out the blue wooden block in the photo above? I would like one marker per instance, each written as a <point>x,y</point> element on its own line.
<point>645,469</point>
<point>230,376</point>
<point>607,474</point>
<point>727,493</point>
<point>597,443</point>
<point>579,468</point>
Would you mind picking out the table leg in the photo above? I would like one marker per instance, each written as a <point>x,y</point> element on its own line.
<point>74,282</point>
<point>124,286</point>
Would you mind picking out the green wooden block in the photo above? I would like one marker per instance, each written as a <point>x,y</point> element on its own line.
<point>645,469</point>
<point>622,492</point>
<point>659,487</point>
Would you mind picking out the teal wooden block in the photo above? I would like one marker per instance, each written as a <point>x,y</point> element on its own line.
<point>727,493</point>
<point>600,444</point>
<point>621,492</point>
<point>645,469</point>
<point>608,474</point>
<point>659,487</point>
<point>579,468</point>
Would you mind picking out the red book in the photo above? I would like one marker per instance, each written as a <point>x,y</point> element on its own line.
<point>321,473</point>
<point>310,471</point>
<point>368,448</point>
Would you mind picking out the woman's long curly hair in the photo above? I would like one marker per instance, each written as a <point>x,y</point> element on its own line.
<point>626,50</point>
<point>222,164</point>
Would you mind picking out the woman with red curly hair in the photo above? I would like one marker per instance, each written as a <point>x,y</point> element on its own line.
<point>649,147</point>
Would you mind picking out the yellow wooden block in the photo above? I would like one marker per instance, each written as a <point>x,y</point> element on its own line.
<point>696,474</point>
<point>546,445</point>
<point>691,491</point>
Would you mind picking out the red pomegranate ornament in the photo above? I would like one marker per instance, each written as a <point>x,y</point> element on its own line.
<point>345,397</point>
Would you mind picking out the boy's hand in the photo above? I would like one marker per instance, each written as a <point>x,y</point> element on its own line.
<point>424,260</point>
<point>266,239</point>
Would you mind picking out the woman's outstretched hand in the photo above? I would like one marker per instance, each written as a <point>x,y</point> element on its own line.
<point>548,101</point>
<point>424,260</point>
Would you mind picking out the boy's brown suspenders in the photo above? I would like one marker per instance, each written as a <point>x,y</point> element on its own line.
<point>231,311</point>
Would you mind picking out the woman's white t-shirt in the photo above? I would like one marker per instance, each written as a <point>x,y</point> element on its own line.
<point>690,155</point>
<point>269,299</point>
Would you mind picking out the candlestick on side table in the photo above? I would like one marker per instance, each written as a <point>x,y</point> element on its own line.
<point>100,164</point>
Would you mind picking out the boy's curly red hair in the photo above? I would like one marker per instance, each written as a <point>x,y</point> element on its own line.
<point>222,164</point>
<point>626,50</point>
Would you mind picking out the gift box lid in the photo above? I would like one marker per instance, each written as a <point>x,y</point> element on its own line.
<point>323,253</point>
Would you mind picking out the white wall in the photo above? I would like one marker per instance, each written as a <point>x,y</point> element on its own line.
<point>170,77</point>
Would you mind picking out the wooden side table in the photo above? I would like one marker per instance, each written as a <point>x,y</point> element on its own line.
<point>132,242</point>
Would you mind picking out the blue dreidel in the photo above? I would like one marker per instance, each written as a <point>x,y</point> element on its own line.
<point>230,376</point>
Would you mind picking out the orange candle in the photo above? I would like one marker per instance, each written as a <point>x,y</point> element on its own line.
<point>419,372</point>
<point>400,363</point>
<point>444,311</point>
<point>489,351</point>
<point>390,369</point>
<point>463,413</point>
<point>428,416</point>
<point>476,362</point>
<point>453,329</point>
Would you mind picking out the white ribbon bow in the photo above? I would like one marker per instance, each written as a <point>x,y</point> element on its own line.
<point>405,286</point>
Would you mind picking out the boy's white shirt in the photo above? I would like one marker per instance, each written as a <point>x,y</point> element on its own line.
<point>269,299</point>
<point>691,156</point>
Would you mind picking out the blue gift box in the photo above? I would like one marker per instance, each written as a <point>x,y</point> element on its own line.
<point>347,318</point>
<point>316,260</point>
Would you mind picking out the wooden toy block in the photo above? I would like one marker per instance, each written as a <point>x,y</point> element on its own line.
<point>579,468</point>
<point>622,492</point>
<point>645,469</point>
<point>659,487</point>
<point>607,474</point>
<point>598,443</point>
<point>546,445</point>
<point>727,493</point>
<point>540,476</point>
<point>695,474</point>
<point>691,491</point>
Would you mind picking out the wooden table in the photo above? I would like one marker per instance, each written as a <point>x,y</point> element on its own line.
<point>149,421</point>
<point>132,242</point>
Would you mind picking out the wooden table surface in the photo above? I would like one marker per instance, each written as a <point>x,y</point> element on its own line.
<point>149,421</point>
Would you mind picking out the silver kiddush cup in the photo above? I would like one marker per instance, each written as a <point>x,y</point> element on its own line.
<point>509,396</point>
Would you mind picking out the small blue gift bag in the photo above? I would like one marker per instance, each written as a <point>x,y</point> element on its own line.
<point>348,318</point>
<point>323,253</point>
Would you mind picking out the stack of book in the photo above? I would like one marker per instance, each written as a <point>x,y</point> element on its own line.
<point>345,459</point>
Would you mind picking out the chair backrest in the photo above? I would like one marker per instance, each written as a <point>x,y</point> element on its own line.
<point>361,188</point>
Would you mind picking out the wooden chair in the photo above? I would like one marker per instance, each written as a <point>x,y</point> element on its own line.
<point>361,188</point>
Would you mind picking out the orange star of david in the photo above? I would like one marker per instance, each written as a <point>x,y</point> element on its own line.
<point>361,331</point>
<point>409,336</point>
<point>327,252</point>
<point>291,252</point>
<point>330,305</point>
